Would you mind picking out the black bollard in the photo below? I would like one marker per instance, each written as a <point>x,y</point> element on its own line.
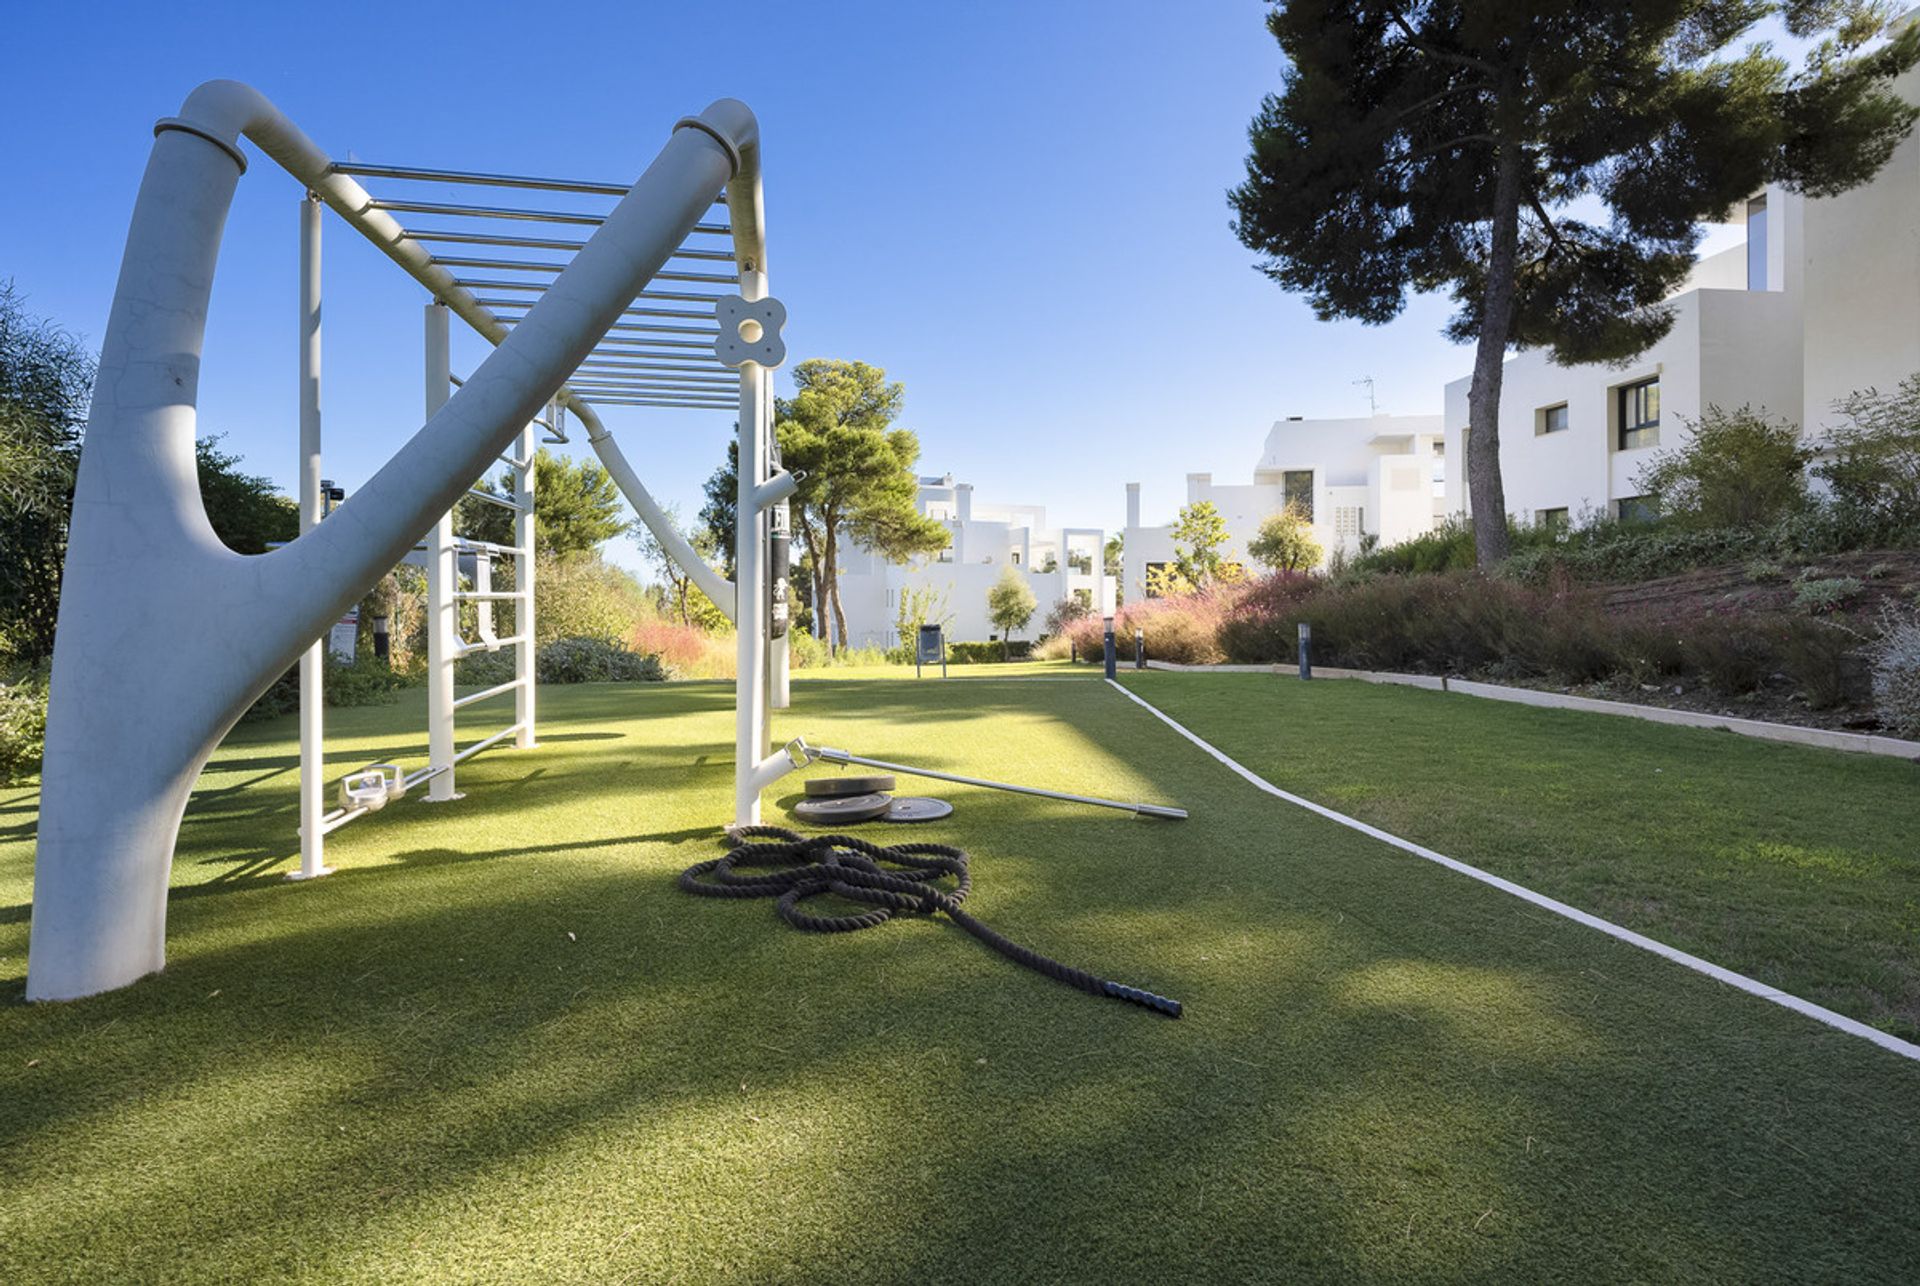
<point>1111,655</point>
<point>1306,646</point>
<point>1139,649</point>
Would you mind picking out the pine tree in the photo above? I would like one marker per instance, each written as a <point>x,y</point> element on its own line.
<point>1443,146</point>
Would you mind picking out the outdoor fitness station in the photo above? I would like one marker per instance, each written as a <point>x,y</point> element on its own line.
<point>166,637</point>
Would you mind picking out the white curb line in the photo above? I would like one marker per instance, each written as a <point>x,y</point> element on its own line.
<point>1752,986</point>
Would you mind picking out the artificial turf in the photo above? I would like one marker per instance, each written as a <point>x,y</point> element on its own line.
<point>499,1044</point>
<point>1794,865</point>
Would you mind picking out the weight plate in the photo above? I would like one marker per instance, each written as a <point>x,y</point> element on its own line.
<point>916,808</point>
<point>840,810</point>
<point>834,786</point>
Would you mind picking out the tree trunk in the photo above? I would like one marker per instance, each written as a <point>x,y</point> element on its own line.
<point>1487,492</point>
<point>829,539</point>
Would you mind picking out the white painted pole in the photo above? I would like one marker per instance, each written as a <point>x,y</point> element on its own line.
<point>750,580</point>
<point>443,577</point>
<point>526,651</point>
<point>313,769</point>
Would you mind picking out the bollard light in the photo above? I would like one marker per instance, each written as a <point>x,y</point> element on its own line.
<point>1112,656</point>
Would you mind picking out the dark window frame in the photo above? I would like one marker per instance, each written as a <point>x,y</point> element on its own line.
<point>1546,419</point>
<point>1639,414</point>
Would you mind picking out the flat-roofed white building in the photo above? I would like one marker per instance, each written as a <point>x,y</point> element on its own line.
<point>1821,300</point>
<point>1374,475</point>
<point>1058,563</point>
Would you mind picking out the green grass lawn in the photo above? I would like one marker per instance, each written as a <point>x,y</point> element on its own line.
<point>1796,866</point>
<point>499,1044</point>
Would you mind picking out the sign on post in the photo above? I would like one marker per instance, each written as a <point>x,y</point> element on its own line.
<point>930,649</point>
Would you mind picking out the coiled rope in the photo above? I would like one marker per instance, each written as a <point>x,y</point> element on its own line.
<point>798,867</point>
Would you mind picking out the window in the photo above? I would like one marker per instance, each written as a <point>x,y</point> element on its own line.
<point>1636,509</point>
<point>1553,419</point>
<point>946,553</point>
<point>1084,597</point>
<point>1079,560</point>
<point>1640,415</point>
<point>1347,521</point>
<point>1154,572</point>
<point>1296,487</point>
<point>1015,556</point>
<point>1554,520</point>
<point>1757,243</point>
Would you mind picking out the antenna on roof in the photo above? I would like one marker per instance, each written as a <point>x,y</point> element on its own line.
<point>1373,406</point>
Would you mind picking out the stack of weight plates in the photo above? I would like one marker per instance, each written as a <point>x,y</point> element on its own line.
<point>840,801</point>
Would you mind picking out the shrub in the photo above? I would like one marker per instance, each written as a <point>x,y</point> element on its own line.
<point>690,652</point>
<point>1285,543</point>
<point>1062,614</point>
<point>1737,469</point>
<point>1819,657</point>
<point>1182,628</point>
<point>1895,660</point>
<point>583,596</point>
<point>1873,462</point>
<point>1762,569</point>
<point>593,660</point>
<point>986,653</point>
<point>1825,595</point>
<point>1732,656</point>
<point>23,727</point>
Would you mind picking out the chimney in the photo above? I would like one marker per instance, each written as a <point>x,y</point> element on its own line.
<point>963,500</point>
<point>1133,504</point>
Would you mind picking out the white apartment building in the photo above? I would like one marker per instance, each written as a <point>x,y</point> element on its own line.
<point>1058,562</point>
<point>1822,299</point>
<point>1378,476</point>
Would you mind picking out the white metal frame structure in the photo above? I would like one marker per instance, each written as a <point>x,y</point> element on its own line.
<point>166,636</point>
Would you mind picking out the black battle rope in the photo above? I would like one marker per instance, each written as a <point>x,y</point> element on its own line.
<point>805,866</point>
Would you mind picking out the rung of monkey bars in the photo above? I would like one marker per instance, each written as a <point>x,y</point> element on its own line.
<point>493,499</point>
<point>498,690</point>
<point>416,173</point>
<point>522,265</point>
<point>514,212</point>
<point>684,404</point>
<point>453,237</point>
<point>651,328</point>
<point>540,287</point>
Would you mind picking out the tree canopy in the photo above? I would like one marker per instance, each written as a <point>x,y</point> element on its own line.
<point>1548,165</point>
<point>1199,535</point>
<point>1285,543</point>
<point>1010,604</point>
<point>247,511</point>
<point>46,378</point>
<point>576,507</point>
<point>838,428</point>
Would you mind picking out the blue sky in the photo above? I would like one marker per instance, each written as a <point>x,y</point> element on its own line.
<point>1017,209</point>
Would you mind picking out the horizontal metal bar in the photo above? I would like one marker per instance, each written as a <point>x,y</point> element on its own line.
<point>493,499</point>
<point>498,690</point>
<point>664,328</point>
<point>525,265</point>
<point>419,775</point>
<point>464,545</point>
<point>540,288</point>
<point>708,363</point>
<point>490,595</point>
<point>419,174</point>
<point>453,237</point>
<point>833,756</point>
<point>597,361</point>
<point>650,390</point>
<point>484,742</point>
<point>681,384</point>
<point>469,648</point>
<point>685,404</point>
<point>515,212</point>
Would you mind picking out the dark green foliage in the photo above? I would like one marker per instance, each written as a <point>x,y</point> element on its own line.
<point>1735,469</point>
<point>1873,466</point>
<point>986,653</point>
<point>363,681</point>
<point>722,491</point>
<point>23,726</point>
<point>247,511</point>
<point>576,506</point>
<point>1444,146</point>
<point>45,381</point>
<point>589,660</point>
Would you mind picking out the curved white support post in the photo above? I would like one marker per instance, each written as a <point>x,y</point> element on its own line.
<point>166,636</point>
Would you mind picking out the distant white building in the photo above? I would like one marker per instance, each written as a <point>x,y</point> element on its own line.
<point>1823,299</point>
<point>1377,476</point>
<point>1058,562</point>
